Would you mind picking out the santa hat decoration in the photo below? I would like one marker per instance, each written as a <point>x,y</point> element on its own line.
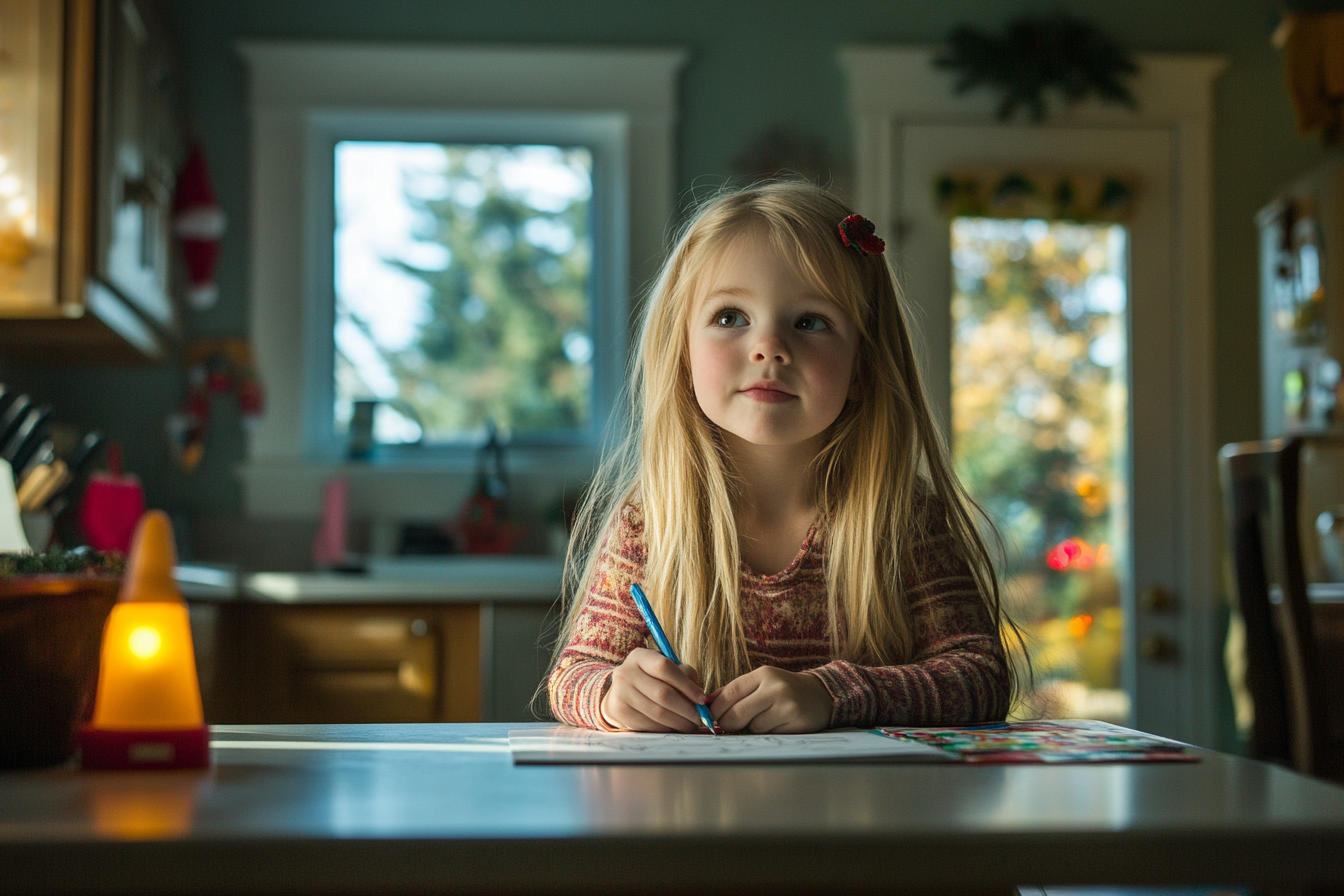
<point>199,222</point>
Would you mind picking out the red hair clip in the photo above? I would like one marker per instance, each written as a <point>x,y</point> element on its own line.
<point>856,232</point>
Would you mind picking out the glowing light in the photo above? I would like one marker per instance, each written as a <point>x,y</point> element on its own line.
<point>145,642</point>
<point>18,206</point>
<point>1071,553</point>
<point>1078,626</point>
<point>9,185</point>
<point>147,711</point>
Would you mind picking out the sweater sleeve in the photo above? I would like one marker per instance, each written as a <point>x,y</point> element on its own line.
<point>957,675</point>
<point>608,628</point>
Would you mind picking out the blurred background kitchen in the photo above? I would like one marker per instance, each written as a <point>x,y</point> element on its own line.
<point>349,287</point>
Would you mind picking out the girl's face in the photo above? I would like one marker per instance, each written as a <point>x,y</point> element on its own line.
<point>772,360</point>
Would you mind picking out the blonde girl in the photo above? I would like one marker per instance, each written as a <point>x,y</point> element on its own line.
<point>784,497</point>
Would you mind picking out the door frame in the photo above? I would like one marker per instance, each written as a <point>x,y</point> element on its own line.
<point>891,88</point>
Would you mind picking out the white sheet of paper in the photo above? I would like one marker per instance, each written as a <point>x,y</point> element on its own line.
<point>581,746</point>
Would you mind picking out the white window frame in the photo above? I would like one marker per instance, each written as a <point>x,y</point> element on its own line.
<point>304,94</point>
<point>604,135</point>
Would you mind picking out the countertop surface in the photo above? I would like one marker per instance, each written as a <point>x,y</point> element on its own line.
<point>431,808</point>
<point>448,579</point>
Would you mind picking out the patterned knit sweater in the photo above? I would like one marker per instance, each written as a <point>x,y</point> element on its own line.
<point>957,674</point>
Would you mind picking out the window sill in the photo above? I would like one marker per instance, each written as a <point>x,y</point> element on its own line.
<point>405,487</point>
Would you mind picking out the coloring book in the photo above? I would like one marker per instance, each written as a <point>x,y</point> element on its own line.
<point>1072,740</point>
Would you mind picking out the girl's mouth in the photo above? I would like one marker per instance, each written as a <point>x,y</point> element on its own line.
<point>769,396</point>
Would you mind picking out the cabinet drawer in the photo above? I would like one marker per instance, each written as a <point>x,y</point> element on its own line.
<point>332,665</point>
<point>358,666</point>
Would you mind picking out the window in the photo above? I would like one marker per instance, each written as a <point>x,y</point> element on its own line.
<point>617,106</point>
<point>1040,430</point>
<point>464,283</point>
<point>463,288</point>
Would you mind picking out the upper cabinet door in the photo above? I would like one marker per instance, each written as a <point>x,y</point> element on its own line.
<point>140,145</point>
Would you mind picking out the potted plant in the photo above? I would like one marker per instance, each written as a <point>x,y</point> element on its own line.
<point>52,609</point>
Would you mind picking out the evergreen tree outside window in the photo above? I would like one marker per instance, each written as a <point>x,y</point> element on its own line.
<point>463,277</point>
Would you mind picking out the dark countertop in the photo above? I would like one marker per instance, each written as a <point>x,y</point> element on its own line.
<point>433,808</point>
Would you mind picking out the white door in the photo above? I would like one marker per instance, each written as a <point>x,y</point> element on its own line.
<point>910,125</point>
<point>923,257</point>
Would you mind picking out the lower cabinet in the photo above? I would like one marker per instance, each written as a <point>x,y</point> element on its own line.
<point>263,663</point>
<point>338,664</point>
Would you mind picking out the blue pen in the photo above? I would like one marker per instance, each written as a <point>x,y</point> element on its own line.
<point>665,647</point>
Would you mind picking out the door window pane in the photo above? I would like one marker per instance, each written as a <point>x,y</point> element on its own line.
<point>1040,435</point>
<point>463,288</point>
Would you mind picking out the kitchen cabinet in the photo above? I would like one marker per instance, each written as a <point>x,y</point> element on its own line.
<point>422,640</point>
<point>93,286</point>
<point>372,663</point>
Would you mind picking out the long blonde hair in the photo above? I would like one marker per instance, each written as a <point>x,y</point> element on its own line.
<point>884,456</point>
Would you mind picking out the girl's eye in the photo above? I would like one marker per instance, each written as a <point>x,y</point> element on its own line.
<point>730,318</point>
<point>812,322</point>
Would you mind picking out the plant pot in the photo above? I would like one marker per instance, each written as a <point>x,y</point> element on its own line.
<point>51,631</point>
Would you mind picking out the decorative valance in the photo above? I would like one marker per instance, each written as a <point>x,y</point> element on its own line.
<point>1085,198</point>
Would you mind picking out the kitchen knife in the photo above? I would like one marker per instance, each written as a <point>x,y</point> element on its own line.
<point>45,454</point>
<point>79,461</point>
<point>91,442</point>
<point>10,446</point>
<point>28,437</point>
<point>41,484</point>
<point>13,417</point>
<point>32,484</point>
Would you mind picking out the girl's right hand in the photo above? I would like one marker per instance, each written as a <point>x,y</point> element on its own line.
<point>649,692</point>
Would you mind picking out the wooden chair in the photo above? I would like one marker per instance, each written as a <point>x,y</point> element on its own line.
<point>1260,498</point>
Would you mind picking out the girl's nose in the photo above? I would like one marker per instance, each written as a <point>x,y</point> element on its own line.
<point>770,347</point>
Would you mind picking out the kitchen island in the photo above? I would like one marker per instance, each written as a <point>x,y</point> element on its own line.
<point>411,809</point>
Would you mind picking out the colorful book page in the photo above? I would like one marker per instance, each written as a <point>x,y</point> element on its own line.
<point>1070,740</point>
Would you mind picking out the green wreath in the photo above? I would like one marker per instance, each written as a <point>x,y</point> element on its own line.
<point>1033,55</point>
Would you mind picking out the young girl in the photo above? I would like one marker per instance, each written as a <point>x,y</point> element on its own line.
<point>784,498</point>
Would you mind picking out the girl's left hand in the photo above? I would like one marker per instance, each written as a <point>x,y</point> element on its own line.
<point>769,700</point>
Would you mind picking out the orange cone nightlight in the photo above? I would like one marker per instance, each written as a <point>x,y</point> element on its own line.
<point>147,712</point>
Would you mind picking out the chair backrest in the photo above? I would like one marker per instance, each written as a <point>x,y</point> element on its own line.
<point>1260,501</point>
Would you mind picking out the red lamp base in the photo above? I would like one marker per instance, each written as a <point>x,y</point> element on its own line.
<point>104,748</point>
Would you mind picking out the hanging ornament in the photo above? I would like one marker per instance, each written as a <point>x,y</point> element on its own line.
<point>215,367</point>
<point>199,222</point>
